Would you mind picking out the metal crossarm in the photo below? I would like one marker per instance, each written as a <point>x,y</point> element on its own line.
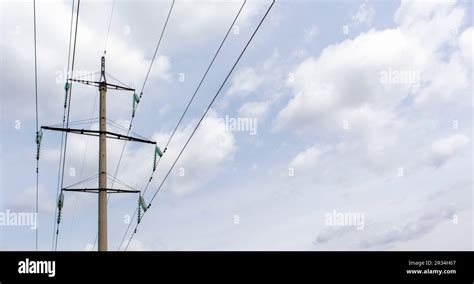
<point>97,84</point>
<point>109,134</point>
<point>96,190</point>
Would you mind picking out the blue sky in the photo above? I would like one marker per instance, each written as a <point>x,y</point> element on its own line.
<point>331,133</point>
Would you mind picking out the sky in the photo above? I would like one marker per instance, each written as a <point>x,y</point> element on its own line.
<point>352,108</point>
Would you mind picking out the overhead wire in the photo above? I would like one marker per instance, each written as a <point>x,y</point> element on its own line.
<point>120,182</point>
<point>118,126</point>
<point>108,30</point>
<point>78,122</point>
<point>123,84</point>
<point>63,124</point>
<point>186,109</point>
<point>145,81</point>
<point>37,124</point>
<point>199,123</point>
<point>86,74</point>
<point>82,181</point>
<point>67,116</point>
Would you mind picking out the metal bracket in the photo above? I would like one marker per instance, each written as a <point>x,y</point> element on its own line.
<point>97,133</point>
<point>96,190</point>
<point>97,84</point>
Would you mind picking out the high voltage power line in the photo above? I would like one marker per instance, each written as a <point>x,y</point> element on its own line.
<point>200,120</point>
<point>103,190</point>
<point>38,134</point>
<point>68,94</point>
<point>184,112</point>
<point>144,82</point>
<point>108,29</point>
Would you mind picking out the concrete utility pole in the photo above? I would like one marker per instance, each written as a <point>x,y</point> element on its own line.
<point>103,135</point>
<point>103,160</point>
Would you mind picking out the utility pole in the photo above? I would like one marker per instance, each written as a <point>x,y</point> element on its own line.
<point>103,159</point>
<point>103,135</point>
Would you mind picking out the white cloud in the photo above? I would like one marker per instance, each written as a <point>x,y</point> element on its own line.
<point>344,85</point>
<point>388,125</point>
<point>432,23</point>
<point>413,12</point>
<point>306,159</point>
<point>52,41</point>
<point>364,14</point>
<point>254,109</point>
<point>328,87</point>
<point>465,43</point>
<point>398,229</point>
<point>411,229</point>
<point>209,17</point>
<point>209,148</point>
<point>163,67</point>
<point>263,81</point>
<point>453,241</point>
<point>444,148</point>
<point>244,82</point>
<point>25,200</point>
<point>191,23</point>
<point>258,87</point>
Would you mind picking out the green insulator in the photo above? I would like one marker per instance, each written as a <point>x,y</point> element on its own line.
<point>158,151</point>
<point>136,98</point>
<point>141,203</point>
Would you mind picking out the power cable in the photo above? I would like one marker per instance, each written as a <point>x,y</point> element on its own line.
<point>68,114</point>
<point>185,110</point>
<point>110,22</point>
<point>201,119</point>
<point>37,125</point>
